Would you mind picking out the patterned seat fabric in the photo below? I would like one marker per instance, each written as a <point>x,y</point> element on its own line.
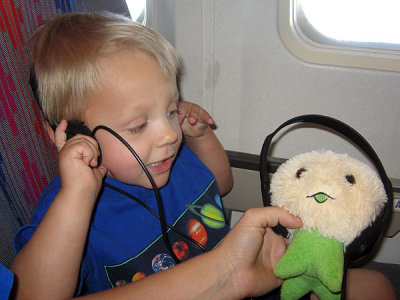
<point>27,157</point>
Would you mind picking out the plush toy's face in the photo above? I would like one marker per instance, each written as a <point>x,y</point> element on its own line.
<point>333,193</point>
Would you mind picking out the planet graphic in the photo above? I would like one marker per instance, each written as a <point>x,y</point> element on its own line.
<point>211,215</point>
<point>181,250</point>
<point>197,231</point>
<point>162,262</point>
<point>138,276</point>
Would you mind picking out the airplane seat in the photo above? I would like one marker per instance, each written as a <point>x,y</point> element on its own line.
<point>27,157</point>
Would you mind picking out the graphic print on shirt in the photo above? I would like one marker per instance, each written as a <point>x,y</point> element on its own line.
<point>203,220</point>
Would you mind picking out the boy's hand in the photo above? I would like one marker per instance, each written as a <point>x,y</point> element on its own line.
<point>197,127</point>
<point>79,170</point>
<point>252,249</point>
<point>194,120</point>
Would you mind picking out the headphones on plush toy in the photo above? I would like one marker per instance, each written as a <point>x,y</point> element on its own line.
<point>366,241</point>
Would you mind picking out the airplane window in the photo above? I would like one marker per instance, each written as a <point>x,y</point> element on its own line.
<point>374,23</point>
<point>356,33</point>
<point>137,10</point>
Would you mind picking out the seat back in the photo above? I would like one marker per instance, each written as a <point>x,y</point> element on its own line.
<point>27,157</point>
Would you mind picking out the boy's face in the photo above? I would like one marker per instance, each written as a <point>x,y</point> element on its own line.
<point>135,100</point>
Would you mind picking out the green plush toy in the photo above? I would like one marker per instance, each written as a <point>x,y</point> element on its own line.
<point>336,197</point>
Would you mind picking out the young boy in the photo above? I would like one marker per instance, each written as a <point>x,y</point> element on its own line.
<point>85,237</point>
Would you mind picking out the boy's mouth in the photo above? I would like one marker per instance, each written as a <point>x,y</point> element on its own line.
<point>156,164</point>
<point>160,166</point>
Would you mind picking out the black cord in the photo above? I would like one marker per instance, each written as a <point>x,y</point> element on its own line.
<point>156,215</point>
<point>155,190</point>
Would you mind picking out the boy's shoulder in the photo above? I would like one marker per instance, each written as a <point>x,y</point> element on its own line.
<point>24,233</point>
<point>46,198</point>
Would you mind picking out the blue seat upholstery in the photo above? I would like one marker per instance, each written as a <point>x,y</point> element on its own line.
<point>27,157</point>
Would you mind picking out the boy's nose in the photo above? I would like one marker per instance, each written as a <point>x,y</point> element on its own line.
<point>167,134</point>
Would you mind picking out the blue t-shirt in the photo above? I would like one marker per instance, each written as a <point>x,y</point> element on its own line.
<point>125,244</point>
<point>6,282</point>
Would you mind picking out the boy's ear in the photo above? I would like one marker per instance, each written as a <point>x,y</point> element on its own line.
<point>50,132</point>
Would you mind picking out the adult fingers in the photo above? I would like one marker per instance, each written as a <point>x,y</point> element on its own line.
<point>269,217</point>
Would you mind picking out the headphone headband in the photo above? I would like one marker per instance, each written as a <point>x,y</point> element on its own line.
<point>369,237</point>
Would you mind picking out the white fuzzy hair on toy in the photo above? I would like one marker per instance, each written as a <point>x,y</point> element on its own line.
<point>332,193</point>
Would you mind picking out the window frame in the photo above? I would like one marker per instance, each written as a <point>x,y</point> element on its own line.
<point>148,22</point>
<point>329,54</point>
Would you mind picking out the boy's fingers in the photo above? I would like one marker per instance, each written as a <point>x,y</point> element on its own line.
<point>182,108</point>
<point>88,154</point>
<point>193,116</point>
<point>209,120</point>
<point>60,135</point>
<point>200,116</point>
<point>101,171</point>
<point>88,151</point>
<point>181,116</point>
<point>206,117</point>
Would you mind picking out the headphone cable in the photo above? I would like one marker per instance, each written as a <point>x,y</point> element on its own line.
<point>155,189</point>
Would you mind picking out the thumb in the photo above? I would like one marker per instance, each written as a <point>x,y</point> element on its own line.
<point>271,216</point>
<point>60,135</point>
<point>101,171</point>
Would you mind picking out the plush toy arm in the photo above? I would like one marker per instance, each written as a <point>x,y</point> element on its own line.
<point>290,265</point>
<point>329,264</point>
<point>295,261</point>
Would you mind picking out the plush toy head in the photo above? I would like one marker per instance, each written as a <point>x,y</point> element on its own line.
<point>334,194</point>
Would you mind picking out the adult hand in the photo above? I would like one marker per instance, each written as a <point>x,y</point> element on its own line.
<point>252,249</point>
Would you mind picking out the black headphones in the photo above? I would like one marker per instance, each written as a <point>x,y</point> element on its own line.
<point>366,241</point>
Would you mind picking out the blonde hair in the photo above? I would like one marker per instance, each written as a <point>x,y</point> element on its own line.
<point>65,51</point>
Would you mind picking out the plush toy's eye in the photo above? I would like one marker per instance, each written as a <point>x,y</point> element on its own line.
<point>299,172</point>
<point>351,179</point>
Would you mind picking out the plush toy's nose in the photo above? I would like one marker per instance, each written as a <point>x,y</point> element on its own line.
<point>320,197</point>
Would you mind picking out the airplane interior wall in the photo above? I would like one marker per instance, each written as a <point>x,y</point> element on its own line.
<point>236,66</point>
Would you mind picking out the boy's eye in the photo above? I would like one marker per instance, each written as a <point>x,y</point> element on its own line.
<point>172,113</point>
<point>138,129</point>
